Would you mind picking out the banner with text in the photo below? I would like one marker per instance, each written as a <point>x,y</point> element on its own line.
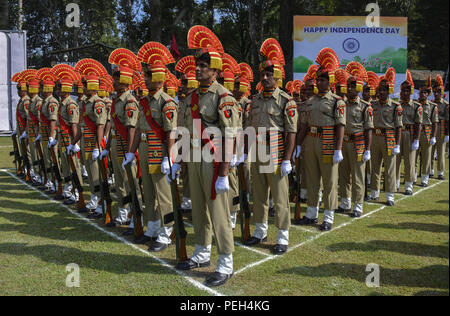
<point>377,48</point>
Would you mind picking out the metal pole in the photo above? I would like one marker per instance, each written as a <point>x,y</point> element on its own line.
<point>20,15</point>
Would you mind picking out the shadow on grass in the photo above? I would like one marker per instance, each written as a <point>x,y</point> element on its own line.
<point>435,276</point>
<point>435,228</point>
<point>407,248</point>
<point>427,213</point>
<point>104,261</point>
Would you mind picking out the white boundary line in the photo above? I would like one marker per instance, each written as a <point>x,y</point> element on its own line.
<point>254,264</point>
<point>161,261</point>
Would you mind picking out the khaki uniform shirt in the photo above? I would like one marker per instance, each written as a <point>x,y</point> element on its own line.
<point>164,111</point>
<point>245,106</point>
<point>277,112</point>
<point>96,110</point>
<point>443,109</point>
<point>217,107</point>
<point>302,109</point>
<point>22,107</point>
<point>50,108</point>
<point>430,113</point>
<point>70,111</point>
<point>387,116</point>
<point>359,116</point>
<point>327,110</point>
<point>181,110</point>
<point>126,109</point>
<point>412,113</point>
<point>80,109</point>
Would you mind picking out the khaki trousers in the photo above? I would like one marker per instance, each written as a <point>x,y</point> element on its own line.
<point>263,184</point>
<point>209,215</point>
<point>92,170</point>
<point>440,148</point>
<point>316,172</point>
<point>351,174</point>
<point>379,155</point>
<point>120,178</point>
<point>425,152</point>
<point>408,156</point>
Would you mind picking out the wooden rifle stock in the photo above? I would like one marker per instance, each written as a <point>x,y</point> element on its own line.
<point>56,172</point>
<point>245,207</point>
<point>42,162</point>
<point>180,231</point>
<point>76,182</point>
<point>104,188</point>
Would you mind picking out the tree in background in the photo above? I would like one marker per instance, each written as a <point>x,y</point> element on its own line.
<point>241,25</point>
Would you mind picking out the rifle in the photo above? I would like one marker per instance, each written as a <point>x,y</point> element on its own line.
<point>245,207</point>
<point>17,158</point>
<point>298,202</point>
<point>135,207</point>
<point>105,194</point>
<point>180,231</point>
<point>42,163</point>
<point>56,173</point>
<point>26,162</point>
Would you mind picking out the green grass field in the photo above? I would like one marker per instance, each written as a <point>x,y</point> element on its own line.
<point>40,237</point>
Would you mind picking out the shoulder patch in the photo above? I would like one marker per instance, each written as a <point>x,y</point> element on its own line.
<point>225,104</point>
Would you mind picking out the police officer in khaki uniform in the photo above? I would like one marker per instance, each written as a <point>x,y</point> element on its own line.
<point>48,123</point>
<point>211,105</point>
<point>357,143</point>
<point>157,119</point>
<point>68,127</point>
<point>21,116</point>
<point>81,97</point>
<point>94,116</point>
<point>442,133</point>
<point>387,120</point>
<point>322,139</point>
<point>123,115</point>
<point>429,128</point>
<point>186,66</point>
<point>411,130</point>
<point>33,128</point>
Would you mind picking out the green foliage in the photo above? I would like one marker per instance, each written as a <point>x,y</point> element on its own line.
<point>128,23</point>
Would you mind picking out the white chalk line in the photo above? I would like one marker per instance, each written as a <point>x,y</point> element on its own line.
<point>254,264</point>
<point>161,261</point>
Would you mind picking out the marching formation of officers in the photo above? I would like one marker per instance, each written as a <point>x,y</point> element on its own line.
<point>120,133</point>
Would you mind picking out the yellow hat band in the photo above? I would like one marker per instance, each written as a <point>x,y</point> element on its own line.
<point>80,90</point>
<point>92,86</point>
<point>47,89</point>
<point>102,93</point>
<point>33,90</point>
<point>66,88</point>
<point>193,84</point>
<point>125,78</point>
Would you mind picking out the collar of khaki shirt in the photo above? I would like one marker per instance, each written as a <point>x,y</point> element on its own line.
<point>274,95</point>
<point>48,98</point>
<point>157,95</point>
<point>92,99</point>
<point>124,95</point>
<point>354,102</point>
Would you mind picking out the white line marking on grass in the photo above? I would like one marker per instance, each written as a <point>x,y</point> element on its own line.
<point>254,264</point>
<point>161,261</point>
<point>251,249</point>
<point>305,229</point>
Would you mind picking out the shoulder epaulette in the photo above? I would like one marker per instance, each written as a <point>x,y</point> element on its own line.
<point>336,96</point>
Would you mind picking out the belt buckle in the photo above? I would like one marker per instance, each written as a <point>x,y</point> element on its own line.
<point>313,130</point>
<point>143,137</point>
<point>113,132</point>
<point>378,131</point>
<point>346,138</point>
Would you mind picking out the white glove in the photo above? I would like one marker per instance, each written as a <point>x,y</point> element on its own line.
<point>241,159</point>
<point>433,141</point>
<point>366,156</point>
<point>286,168</point>
<point>75,149</point>
<point>233,162</point>
<point>165,167</point>
<point>69,149</point>
<point>415,145</point>
<point>38,138</point>
<point>175,168</point>
<point>396,149</point>
<point>95,154</point>
<point>297,151</point>
<point>129,157</point>
<point>24,135</point>
<point>222,185</point>
<point>51,142</point>
<point>337,158</point>
<point>104,154</point>
<point>14,133</point>
<point>446,139</point>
